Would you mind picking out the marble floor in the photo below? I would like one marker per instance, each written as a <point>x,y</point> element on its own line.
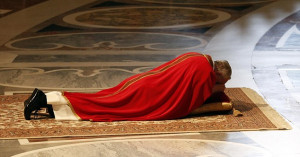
<point>95,44</point>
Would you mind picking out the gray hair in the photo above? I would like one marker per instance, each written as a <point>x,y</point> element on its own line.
<point>223,68</point>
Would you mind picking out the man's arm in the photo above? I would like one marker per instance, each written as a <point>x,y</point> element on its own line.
<point>218,88</point>
<point>215,105</point>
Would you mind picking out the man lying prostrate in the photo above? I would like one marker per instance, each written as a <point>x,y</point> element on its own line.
<point>170,91</point>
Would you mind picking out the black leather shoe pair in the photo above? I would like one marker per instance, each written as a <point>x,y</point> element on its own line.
<point>35,102</point>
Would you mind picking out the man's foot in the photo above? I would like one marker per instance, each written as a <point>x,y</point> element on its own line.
<point>50,111</point>
<point>32,95</point>
<point>35,102</point>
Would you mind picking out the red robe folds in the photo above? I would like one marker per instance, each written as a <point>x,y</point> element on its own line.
<point>169,91</point>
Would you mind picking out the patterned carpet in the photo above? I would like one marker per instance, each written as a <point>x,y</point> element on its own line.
<point>257,115</point>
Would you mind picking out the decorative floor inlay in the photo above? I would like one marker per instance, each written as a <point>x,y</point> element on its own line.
<point>76,78</point>
<point>109,41</point>
<point>210,2</point>
<point>148,17</point>
<point>152,147</point>
<point>94,58</point>
<point>290,40</point>
<point>283,36</point>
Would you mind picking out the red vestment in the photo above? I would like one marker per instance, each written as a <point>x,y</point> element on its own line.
<point>169,91</point>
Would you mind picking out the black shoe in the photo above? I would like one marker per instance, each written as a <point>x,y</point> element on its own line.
<point>32,95</point>
<point>50,111</point>
<point>35,102</point>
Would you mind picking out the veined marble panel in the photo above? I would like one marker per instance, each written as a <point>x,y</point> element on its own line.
<point>290,78</point>
<point>77,78</point>
<point>147,17</point>
<point>109,41</point>
<point>153,147</point>
<point>283,36</point>
<point>94,58</point>
<point>279,90</point>
<point>290,40</point>
<point>294,76</point>
<point>206,2</point>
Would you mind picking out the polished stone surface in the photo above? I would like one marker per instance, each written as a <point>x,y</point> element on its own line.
<point>152,147</point>
<point>95,44</point>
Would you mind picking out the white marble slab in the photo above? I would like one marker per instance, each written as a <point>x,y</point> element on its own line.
<point>152,147</point>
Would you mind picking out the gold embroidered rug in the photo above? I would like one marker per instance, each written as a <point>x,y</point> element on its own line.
<point>257,115</point>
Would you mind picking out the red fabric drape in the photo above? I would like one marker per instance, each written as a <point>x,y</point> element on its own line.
<point>169,91</point>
